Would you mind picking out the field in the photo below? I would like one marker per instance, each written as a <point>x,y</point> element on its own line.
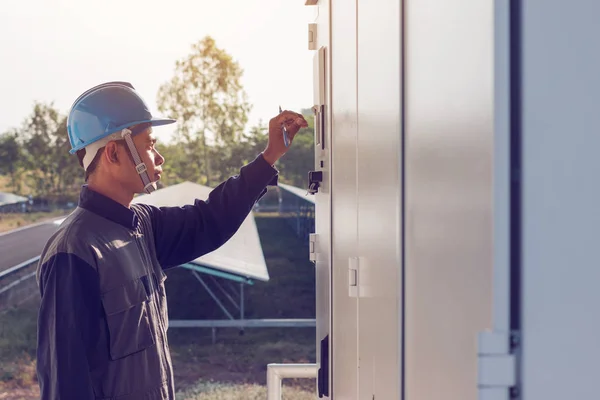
<point>232,368</point>
<point>9,221</point>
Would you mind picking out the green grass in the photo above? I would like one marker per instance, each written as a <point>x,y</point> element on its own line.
<point>17,346</point>
<point>234,367</point>
<point>221,391</point>
<point>18,331</point>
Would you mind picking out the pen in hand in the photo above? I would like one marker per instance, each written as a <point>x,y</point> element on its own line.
<point>286,139</point>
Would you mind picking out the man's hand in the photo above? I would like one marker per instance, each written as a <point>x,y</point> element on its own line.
<point>276,148</point>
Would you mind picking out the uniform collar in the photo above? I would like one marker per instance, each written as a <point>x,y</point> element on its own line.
<point>107,208</point>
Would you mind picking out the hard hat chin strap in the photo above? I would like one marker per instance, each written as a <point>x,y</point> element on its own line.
<point>140,167</point>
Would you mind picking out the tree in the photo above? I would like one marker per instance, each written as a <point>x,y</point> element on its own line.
<point>293,166</point>
<point>207,98</point>
<point>69,175</point>
<point>53,172</point>
<point>176,168</point>
<point>228,158</point>
<point>11,158</point>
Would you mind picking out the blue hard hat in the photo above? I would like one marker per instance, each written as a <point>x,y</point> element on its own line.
<point>104,110</point>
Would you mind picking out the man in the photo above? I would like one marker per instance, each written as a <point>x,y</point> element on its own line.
<point>102,329</point>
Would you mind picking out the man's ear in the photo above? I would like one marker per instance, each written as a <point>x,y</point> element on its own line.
<point>112,152</point>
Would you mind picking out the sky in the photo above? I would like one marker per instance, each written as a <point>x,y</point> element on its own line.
<point>53,50</point>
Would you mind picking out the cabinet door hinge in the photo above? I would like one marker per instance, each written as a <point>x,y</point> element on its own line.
<point>498,363</point>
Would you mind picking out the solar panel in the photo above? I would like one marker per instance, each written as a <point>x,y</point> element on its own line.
<point>302,193</point>
<point>9,198</point>
<point>242,255</point>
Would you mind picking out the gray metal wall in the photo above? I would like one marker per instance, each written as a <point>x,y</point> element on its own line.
<point>560,199</point>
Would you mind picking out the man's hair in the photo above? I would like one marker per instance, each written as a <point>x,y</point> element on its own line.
<point>93,165</point>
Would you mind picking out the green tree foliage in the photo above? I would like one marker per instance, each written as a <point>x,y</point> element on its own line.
<point>227,158</point>
<point>177,167</point>
<point>11,159</point>
<point>230,157</point>
<point>207,98</point>
<point>52,173</point>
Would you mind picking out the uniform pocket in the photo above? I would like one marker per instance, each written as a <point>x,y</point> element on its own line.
<point>159,281</point>
<point>126,309</point>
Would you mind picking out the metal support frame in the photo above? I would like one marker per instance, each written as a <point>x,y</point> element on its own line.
<point>247,323</point>
<point>212,294</point>
<point>232,289</point>
<point>12,278</point>
<point>15,283</point>
<point>277,372</point>
<point>240,307</point>
<point>222,289</point>
<point>242,304</point>
<point>19,267</point>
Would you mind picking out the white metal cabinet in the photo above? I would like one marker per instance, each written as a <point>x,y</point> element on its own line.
<point>344,198</point>
<point>322,246</point>
<point>366,198</point>
<point>447,121</point>
<point>379,198</point>
<point>449,142</point>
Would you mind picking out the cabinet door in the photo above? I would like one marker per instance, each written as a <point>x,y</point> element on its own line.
<point>379,198</point>
<point>323,265</point>
<point>449,144</point>
<point>344,198</point>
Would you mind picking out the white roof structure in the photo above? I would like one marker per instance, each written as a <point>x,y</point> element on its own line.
<point>298,192</point>
<point>9,198</point>
<point>242,255</point>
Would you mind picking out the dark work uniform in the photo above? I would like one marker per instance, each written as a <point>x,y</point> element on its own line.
<point>102,329</point>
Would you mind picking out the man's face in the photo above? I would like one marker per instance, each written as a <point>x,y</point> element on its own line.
<point>145,144</point>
